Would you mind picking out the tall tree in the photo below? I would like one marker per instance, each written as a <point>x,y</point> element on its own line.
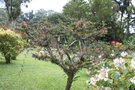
<point>13,9</point>
<point>3,17</point>
<point>76,9</point>
<point>104,14</point>
<point>126,10</point>
<point>102,10</point>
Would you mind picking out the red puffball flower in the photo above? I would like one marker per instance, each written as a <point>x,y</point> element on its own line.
<point>114,42</point>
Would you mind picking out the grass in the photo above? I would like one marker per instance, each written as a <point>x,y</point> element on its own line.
<point>27,73</point>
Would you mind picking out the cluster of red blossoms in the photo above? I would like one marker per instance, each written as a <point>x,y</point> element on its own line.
<point>114,42</point>
<point>117,44</point>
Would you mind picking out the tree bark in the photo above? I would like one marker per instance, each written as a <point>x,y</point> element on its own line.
<point>128,25</point>
<point>69,81</point>
<point>8,58</point>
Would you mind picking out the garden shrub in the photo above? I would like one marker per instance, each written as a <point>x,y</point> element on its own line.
<point>11,44</point>
<point>130,42</point>
<point>115,74</point>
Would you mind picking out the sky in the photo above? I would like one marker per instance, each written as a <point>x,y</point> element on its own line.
<point>55,5</point>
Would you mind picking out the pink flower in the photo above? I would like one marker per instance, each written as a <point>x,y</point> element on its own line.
<point>114,42</point>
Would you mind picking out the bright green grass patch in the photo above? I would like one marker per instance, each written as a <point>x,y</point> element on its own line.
<point>27,73</point>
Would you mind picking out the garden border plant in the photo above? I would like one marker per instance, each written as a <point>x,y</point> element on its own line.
<point>115,74</point>
<point>11,44</point>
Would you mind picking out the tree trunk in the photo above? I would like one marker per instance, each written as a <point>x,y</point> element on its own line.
<point>128,25</point>
<point>69,81</point>
<point>8,58</point>
<point>13,24</point>
<point>13,57</point>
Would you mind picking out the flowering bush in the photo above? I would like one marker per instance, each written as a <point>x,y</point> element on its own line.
<point>116,74</point>
<point>70,45</point>
<point>11,44</point>
<point>118,45</point>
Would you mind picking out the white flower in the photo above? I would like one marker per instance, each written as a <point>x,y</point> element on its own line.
<point>133,63</point>
<point>112,54</point>
<point>41,52</point>
<point>92,81</point>
<point>132,80</point>
<point>118,62</point>
<point>103,75</point>
<point>100,56</point>
<point>124,54</point>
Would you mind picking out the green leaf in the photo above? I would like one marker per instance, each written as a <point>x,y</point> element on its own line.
<point>125,71</point>
<point>121,88</point>
<point>116,75</point>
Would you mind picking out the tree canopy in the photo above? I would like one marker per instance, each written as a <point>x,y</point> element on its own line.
<point>76,9</point>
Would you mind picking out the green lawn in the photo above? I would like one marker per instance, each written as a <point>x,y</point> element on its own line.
<point>27,73</point>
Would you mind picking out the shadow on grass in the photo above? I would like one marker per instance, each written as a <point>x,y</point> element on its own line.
<point>3,62</point>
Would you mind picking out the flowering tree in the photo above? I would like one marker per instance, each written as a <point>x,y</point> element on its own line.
<point>67,45</point>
